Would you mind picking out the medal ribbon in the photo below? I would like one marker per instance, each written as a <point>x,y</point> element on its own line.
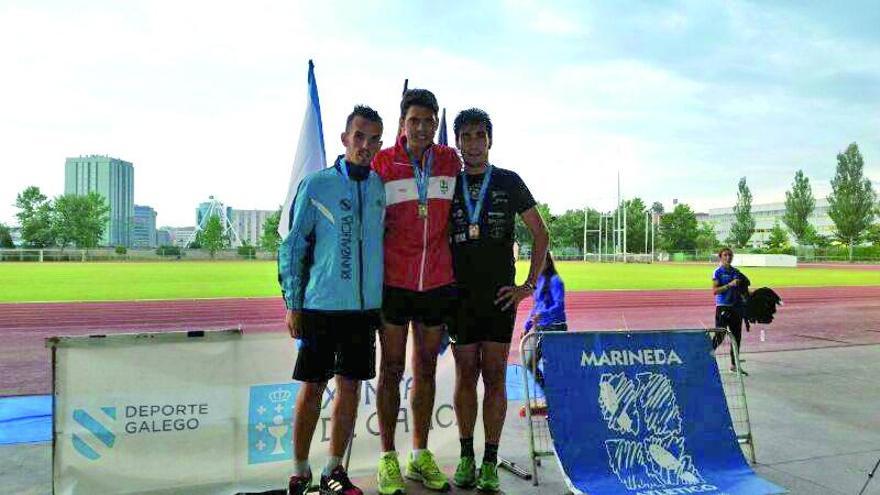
<point>474,211</point>
<point>422,176</point>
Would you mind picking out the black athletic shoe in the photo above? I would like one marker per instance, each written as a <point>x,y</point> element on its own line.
<point>741,371</point>
<point>299,485</point>
<point>338,484</point>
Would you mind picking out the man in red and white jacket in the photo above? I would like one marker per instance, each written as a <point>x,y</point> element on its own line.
<point>419,179</point>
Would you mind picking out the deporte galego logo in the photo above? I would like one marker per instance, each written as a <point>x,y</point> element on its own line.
<point>97,430</point>
<point>95,435</point>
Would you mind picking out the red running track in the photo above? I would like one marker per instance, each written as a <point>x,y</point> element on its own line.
<point>811,317</point>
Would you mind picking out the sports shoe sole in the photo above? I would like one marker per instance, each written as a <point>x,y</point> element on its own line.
<point>418,477</point>
<point>395,492</point>
<point>310,489</point>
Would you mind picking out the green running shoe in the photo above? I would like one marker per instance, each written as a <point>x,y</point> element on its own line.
<point>488,479</point>
<point>424,468</point>
<point>390,482</point>
<point>465,473</point>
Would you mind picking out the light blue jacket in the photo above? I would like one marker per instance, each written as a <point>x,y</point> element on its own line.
<point>332,258</point>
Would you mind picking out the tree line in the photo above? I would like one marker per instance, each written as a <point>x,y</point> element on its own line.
<point>66,220</point>
<point>852,208</point>
<point>677,230</point>
<point>72,220</point>
<point>80,221</point>
<point>213,237</point>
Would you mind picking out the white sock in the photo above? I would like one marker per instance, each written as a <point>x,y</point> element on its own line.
<point>416,452</point>
<point>301,468</point>
<point>332,462</point>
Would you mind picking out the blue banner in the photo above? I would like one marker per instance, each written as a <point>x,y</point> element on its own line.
<point>643,414</point>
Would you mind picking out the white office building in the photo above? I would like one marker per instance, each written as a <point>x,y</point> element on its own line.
<point>179,236</point>
<point>766,215</point>
<point>249,224</point>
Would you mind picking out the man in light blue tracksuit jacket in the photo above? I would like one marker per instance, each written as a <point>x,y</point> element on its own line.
<point>330,269</point>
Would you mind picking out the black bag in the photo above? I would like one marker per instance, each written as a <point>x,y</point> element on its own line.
<point>761,306</point>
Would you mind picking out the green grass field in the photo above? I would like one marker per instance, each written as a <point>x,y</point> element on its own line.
<point>29,282</point>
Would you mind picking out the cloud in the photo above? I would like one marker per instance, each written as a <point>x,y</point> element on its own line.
<point>543,18</point>
<point>207,97</point>
<point>550,22</point>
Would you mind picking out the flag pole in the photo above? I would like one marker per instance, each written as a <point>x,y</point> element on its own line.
<point>310,153</point>
<point>405,87</point>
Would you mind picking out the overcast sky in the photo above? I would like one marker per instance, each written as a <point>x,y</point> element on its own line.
<point>682,98</point>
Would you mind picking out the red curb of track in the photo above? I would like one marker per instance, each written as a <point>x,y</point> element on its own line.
<point>811,317</point>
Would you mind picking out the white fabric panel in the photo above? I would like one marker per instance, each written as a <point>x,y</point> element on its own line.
<point>402,190</point>
<point>207,417</point>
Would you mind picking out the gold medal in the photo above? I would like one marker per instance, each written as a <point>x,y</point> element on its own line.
<point>423,210</point>
<point>474,231</point>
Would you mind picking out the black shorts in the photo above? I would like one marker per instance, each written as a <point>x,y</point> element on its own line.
<point>479,319</point>
<point>730,318</point>
<point>337,343</point>
<point>431,308</point>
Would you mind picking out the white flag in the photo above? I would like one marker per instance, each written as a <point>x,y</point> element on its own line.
<point>310,155</point>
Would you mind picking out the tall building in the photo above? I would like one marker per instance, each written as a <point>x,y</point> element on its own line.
<point>249,224</point>
<point>143,233</point>
<point>180,236</point>
<point>163,237</point>
<point>766,216</point>
<point>113,179</point>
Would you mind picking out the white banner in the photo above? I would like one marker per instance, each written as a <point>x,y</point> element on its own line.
<point>163,413</point>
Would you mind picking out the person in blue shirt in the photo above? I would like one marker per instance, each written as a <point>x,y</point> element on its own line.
<point>548,312</point>
<point>330,267</point>
<point>729,286</point>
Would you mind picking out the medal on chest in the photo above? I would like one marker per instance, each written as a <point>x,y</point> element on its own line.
<point>474,209</point>
<point>422,177</point>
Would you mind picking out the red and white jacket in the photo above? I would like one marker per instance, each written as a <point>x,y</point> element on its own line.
<point>417,253</point>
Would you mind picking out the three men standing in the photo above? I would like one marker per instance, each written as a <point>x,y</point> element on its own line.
<point>447,258</point>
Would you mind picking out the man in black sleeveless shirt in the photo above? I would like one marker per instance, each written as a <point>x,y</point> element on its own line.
<point>484,208</point>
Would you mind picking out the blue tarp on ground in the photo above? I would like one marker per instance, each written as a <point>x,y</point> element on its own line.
<point>515,384</point>
<point>25,419</point>
<point>643,414</point>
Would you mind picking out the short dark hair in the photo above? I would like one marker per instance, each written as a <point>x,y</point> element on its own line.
<point>472,116</point>
<point>725,250</point>
<point>419,98</point>
<point>364,112</point>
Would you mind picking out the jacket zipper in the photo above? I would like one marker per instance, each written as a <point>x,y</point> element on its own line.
<point>424,254</point>
<point>360,246</point>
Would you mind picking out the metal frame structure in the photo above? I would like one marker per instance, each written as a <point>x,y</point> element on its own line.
<point>216,208</point>
<point>736,398</point>
<point>588,230</point>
